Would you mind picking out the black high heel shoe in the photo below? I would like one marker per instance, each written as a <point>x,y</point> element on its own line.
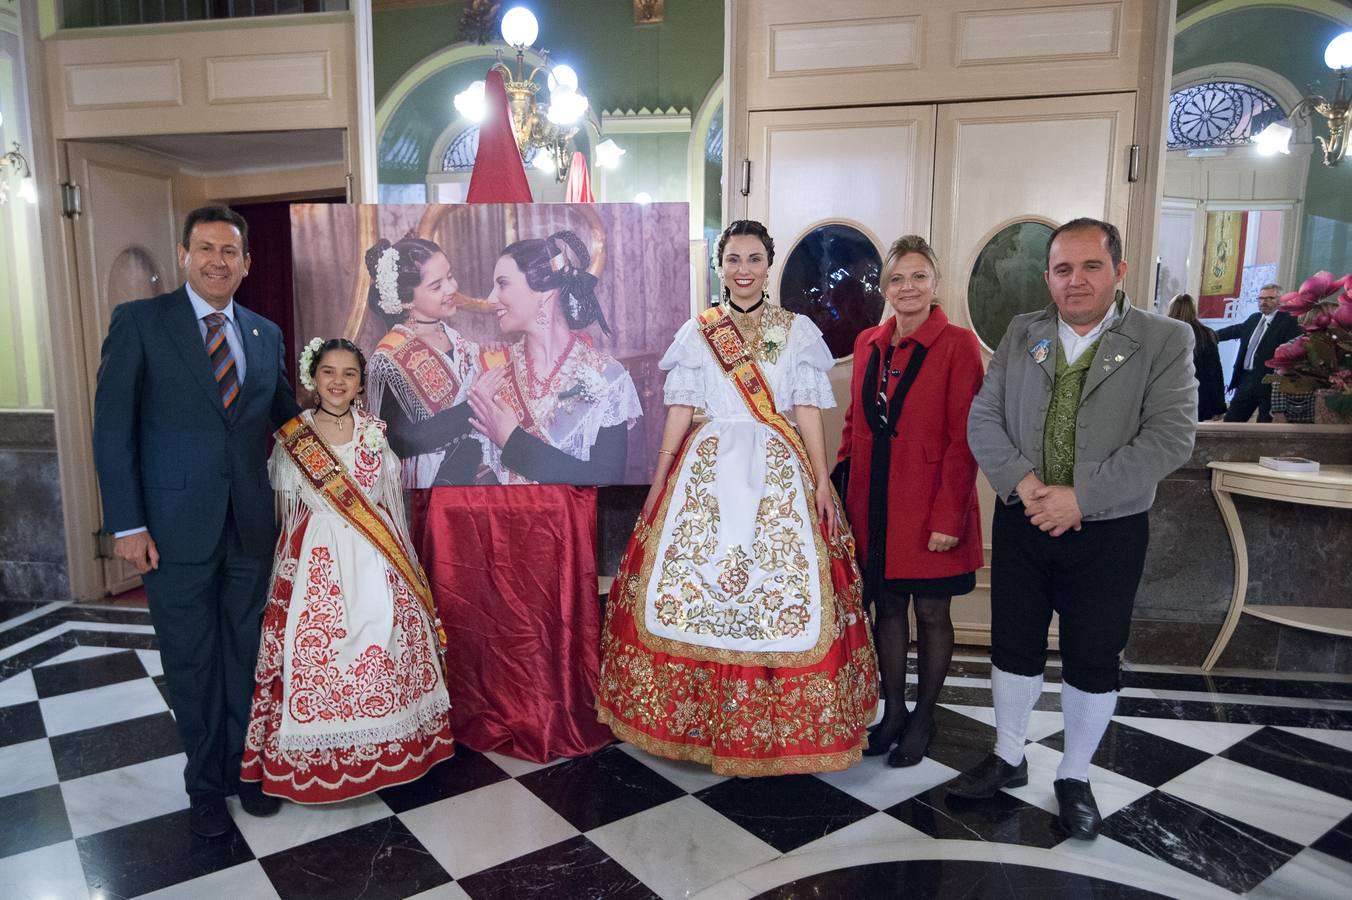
<point>878,744</point>
<point>901,759</point>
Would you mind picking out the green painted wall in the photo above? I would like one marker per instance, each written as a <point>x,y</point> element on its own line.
<point>1291,43</point>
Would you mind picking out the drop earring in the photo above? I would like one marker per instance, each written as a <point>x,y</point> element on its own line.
<point>541,320</point>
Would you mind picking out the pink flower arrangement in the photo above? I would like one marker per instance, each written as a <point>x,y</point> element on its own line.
<point>1321,358</point>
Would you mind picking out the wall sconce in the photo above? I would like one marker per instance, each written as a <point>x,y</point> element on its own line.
<point>1337,113</point>
<point>27,188</point>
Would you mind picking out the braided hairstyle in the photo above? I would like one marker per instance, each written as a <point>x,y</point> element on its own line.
<point>414,252</point>
<point>337,344</point>
<point>559,262</point>
<point>740,227</point>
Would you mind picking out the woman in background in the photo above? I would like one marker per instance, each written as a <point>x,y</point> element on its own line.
<point>1206,359</point>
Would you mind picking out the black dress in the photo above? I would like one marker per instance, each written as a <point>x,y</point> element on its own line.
<point>1206,361</point>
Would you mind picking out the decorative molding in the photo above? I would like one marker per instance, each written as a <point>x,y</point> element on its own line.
<point>649,12</point>
<point>269,77</point>
<point>871,45</point>
<point>646,121</point>
<point>1039,34</point>
<point>123,84</point>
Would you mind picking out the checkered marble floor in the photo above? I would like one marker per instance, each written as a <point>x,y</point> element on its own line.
<point>1210,787</point>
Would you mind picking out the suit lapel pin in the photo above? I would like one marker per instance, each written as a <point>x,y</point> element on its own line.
<point>255,331</point>
<point>1039,351</point>
<point>1119,357</point>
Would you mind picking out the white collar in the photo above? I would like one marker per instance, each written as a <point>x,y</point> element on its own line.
<point>201,308</point>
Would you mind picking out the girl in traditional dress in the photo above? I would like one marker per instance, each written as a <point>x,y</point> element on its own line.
<point>734,634</point>
<point>552,408</point>
<point>350,691</point>
<point>422,369</point>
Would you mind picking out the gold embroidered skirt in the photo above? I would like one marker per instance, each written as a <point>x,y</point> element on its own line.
<point>735,634</point>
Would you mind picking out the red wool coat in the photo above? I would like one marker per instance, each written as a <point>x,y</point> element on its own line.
<point>931,484</point>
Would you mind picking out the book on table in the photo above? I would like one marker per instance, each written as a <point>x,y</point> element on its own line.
<point>1289,463</point>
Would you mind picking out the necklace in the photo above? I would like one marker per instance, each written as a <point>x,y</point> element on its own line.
<point>549,379</point>
<point>425,321</point>
<point>750,309</point>
<point>749,324</point>
<point>338,418</point>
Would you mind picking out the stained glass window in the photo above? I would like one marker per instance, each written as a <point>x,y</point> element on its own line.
<point>1219,114</point>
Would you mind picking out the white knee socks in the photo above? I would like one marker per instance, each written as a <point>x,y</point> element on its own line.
<point>1086,716</point>
<point>1014,697</point>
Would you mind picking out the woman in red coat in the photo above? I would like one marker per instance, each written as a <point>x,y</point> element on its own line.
<point>911,494</point>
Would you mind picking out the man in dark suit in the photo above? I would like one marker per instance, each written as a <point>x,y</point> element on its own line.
<point>189,388</point>
<point>1259,337</point>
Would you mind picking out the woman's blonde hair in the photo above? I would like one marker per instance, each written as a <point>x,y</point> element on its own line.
<point>909,243</point>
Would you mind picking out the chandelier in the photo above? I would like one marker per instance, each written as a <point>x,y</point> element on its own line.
<point>1337,113</point>
<point>543,131</point>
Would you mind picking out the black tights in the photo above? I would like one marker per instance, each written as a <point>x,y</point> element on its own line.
<point>934,645</point>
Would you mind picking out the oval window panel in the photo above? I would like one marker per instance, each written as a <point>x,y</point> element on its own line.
<point>831,277</point>
<point>1007,279</point>
<point>133,275</point>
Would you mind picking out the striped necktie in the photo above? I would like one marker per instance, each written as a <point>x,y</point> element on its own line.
<point>222,360</point>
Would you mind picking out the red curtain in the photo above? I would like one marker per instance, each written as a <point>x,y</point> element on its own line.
<point>513,573</point>
<point>267,290</point>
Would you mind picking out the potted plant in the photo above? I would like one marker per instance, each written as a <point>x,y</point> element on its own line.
<point>1320,360</point>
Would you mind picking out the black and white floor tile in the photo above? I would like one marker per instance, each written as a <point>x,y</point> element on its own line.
<point>1210,787</point>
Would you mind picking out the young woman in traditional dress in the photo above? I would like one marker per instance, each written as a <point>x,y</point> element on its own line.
<point>734,634</point>
<point>422,369</point>
<point>350,689</point>
<point>551,407</point>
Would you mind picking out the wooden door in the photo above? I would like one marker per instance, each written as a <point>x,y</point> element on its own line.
<point>124,241</point>
<point>870,169</point>
<point>999,165</point>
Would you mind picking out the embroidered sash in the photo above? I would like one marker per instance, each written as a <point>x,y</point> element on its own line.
<point>328,476</point>
<point>730,349</point>
<point>427,370</point>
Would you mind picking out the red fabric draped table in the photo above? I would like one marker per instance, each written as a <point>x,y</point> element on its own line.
<point>513,573</point>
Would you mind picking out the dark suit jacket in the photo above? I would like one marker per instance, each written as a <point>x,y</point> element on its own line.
<point>1206,361</point>
<point>1284,328</point>
<point>168,454</point>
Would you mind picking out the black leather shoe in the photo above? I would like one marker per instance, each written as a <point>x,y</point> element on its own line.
<point>911,751</point>
<point>209,818</point>
<point>1079,814</point>
<point>991,774</point>
<point>881,737</point>
<point>255,802</point>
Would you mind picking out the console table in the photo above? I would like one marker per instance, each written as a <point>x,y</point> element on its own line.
<point>1330,486</point>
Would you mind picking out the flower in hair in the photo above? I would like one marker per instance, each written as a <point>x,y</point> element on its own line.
<point>307,360</point>
<point>387,281</point>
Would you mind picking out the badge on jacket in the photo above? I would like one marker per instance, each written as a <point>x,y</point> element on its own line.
<point>1040,350</point>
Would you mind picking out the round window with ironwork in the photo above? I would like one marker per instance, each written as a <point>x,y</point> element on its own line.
<point>831,276</point>
<point>133,275</point>
<point>1008,279</point>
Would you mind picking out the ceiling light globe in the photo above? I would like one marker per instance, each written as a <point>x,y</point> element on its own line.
<point>562,76</point>
<point>1338,54</point>
<point>1274,139</point>
<point>519,27</point>
<point>470,102</point>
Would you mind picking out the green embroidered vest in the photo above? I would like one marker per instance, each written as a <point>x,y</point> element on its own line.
<point>1058,435</point>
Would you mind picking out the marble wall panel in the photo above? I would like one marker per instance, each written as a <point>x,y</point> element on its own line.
<point>32,533</point>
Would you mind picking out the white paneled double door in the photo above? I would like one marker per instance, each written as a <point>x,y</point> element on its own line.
<point>957,173</point>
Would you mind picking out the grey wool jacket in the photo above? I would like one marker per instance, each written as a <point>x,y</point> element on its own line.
<point>1137,417</point>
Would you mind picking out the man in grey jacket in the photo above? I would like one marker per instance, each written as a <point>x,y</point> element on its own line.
<point>1086,406</point>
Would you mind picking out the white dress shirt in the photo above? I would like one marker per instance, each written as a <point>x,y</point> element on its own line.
<point>1073,344</point>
